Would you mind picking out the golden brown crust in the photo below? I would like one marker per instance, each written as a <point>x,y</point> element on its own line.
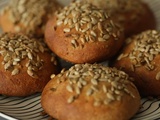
<point>70,42</point>
<point>12,19</point>
<point>146,72</point>
<point>56,99</point>
<point>145,21</point>
<point>135,15</point>
<point>23,83</point>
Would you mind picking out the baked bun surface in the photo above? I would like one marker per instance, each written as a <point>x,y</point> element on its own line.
<point>135,15</point>
<point>90,92</point>
<point>25,65</point>
<point>140,58</point>
<point>27,16</point>
<point>83,33</point>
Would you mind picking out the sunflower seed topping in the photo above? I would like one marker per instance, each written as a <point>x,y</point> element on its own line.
<point>21,48</point>
<point>147,47</point>
<point>24,13</point>
<point>87,22</point>
<point>89,84</point>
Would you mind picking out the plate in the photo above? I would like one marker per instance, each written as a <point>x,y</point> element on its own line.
<point>29,108</point>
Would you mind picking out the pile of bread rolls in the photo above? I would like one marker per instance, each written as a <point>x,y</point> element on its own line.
<point>26,61</point>
<point>83,33</point>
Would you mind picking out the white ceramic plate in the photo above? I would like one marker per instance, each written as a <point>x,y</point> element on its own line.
<point>29,108</point>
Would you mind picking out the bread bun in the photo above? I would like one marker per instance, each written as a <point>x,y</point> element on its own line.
<point>135,15</point>
<point>83,33</point>
<point>90,92</point>
<point>26,65</point>
<point>27,16</point>
<point>140,58</point>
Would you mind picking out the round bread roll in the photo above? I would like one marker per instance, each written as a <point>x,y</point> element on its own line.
<point>27,16</point>
<point>26,65</point>
<point>134,15</point>
<point>82,33</point>
<point>140,58</point>
<point>90,92</point>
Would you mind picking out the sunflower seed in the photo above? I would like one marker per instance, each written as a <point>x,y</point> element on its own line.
<point>74,43</point>
<point>69,88</point>
<point>15,71</point>
<point>66,30</point>
<point>89,92</point>
<point>52,76</point>
<point>29,55</point>
<point>106,37</point>
<point>7,65</point>
<point>93,33</point>
<point>70,99</point>
<point>59,22</point>
<point>30,72</point>
<point>101,39</point>
<point>110,96</point>
<point>78,91</point>
<point>94,82</point>
<point>104,89</point>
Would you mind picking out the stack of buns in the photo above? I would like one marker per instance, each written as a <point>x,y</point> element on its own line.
<point>26,61</point>
<point>26,65</point>
<point>83,33</point>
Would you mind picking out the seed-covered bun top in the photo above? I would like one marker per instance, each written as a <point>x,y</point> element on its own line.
<point>132,14</point>
<point>86,18</point>
<point>28,16</point>
<point>140,58</point>
<point>83,33</point>
<point>25,63</point>
<point>87,89</point>
<point>146,48</point>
